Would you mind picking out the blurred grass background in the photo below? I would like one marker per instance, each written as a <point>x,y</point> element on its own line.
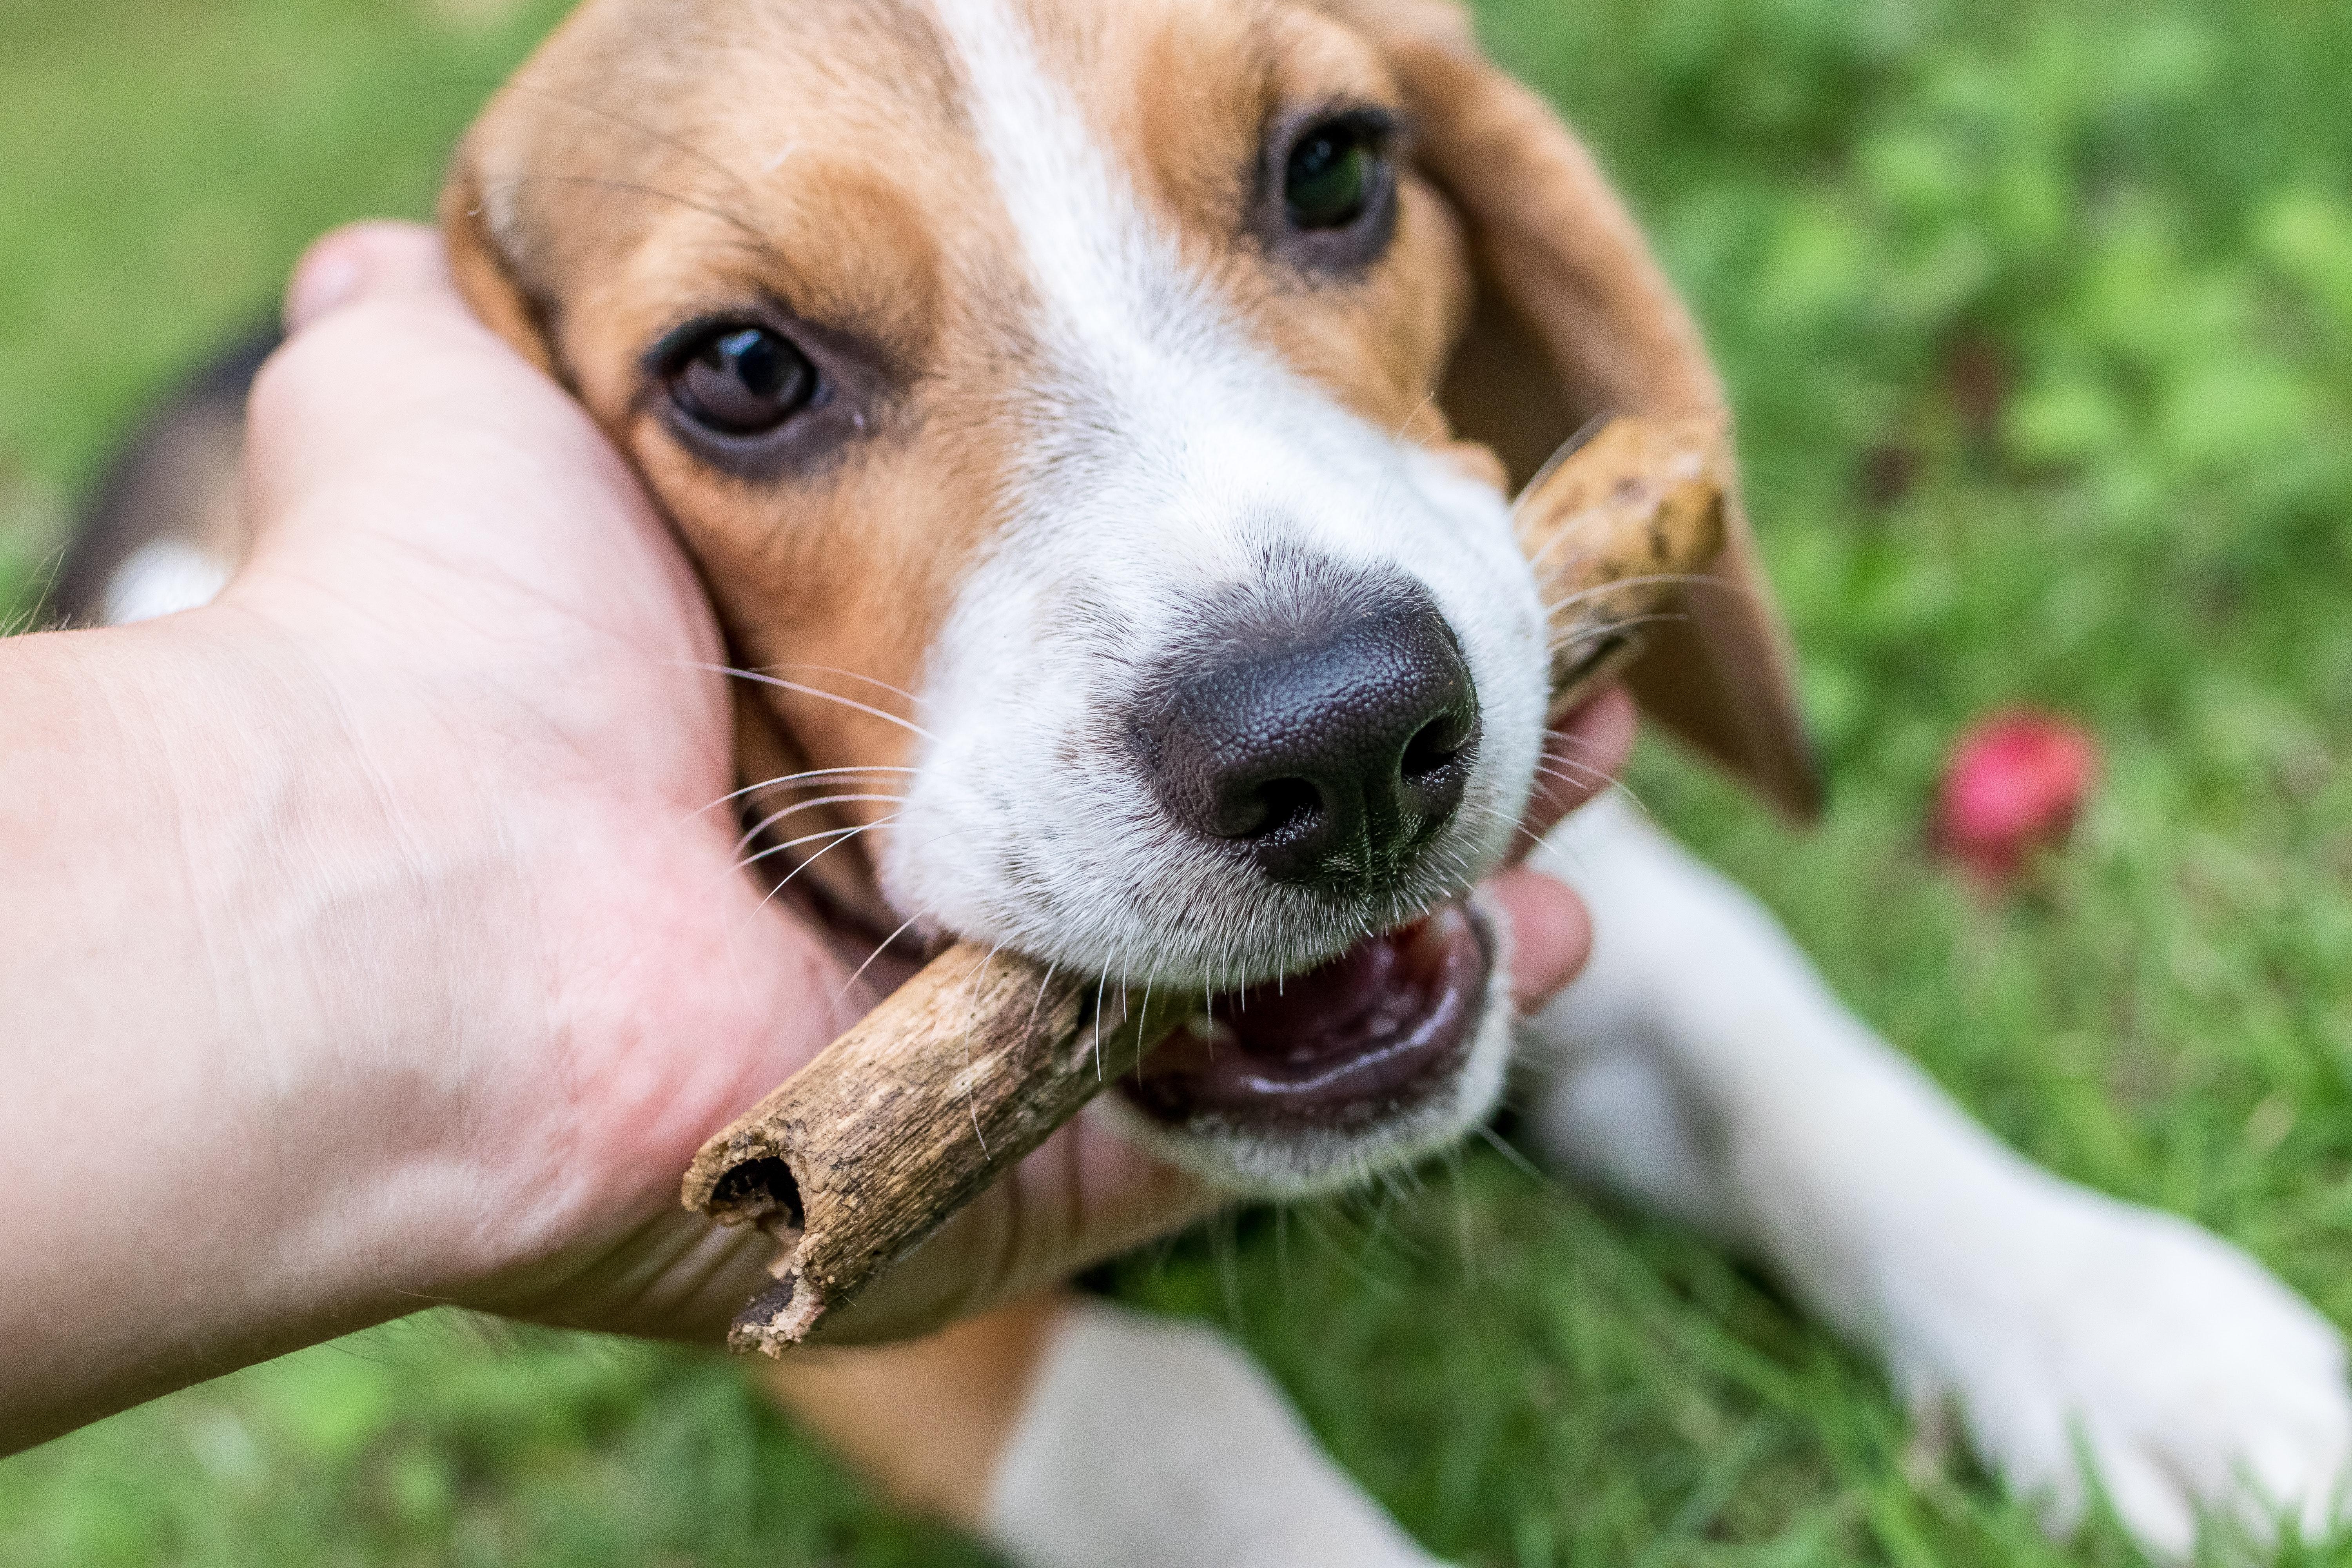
<point>2039,314</point>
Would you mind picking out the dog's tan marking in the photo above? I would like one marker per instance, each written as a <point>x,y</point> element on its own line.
<point>628,230</point>
<point>1181,96</point>
<point>961,1389</point>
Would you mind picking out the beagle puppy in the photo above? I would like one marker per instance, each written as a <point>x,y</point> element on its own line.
<point>1093,421</point>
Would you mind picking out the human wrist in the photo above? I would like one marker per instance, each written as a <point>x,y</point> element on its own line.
<point>229,1143</point>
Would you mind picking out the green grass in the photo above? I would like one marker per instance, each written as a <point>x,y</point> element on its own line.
<point>2039,317</point>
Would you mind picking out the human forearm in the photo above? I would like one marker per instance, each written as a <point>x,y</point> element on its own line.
<point>193,1183</point>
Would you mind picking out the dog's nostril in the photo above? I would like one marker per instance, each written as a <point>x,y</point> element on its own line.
<point>1332,757</point>
<point>1437,747</point>
<point>1276,807</point>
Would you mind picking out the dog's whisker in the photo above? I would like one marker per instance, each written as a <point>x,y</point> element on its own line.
<point>1407,419</point>
<point>795,686</point>
<point>1599,781</point>
<point>585,106</point>
<point>853,675</point>
<point>750,860</point>
<point>627,188</point>
<point>1702,579</point>
<point>786,782</point>
<point>1459,865</point>
<point>1038,1000</point>
<point>879,949</point>
<point>1102,989</point>
<point>971,1022</point>
<point>1567,448</point>
<point>1518,1161</point>
<point>840,835</point>
<point>1595,634</point>
<point>770,820</point>
<point>1621,787</point>
<point>1589,778</point>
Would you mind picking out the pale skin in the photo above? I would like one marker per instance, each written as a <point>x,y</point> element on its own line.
<point>367,942</point>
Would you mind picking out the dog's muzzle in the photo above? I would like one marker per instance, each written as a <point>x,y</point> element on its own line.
<point>1324,740</point>
<point>1374,1033</point>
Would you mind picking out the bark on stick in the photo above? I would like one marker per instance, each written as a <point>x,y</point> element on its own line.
<point>978,1059</point>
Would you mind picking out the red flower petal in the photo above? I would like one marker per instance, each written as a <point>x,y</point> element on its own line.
<point>2015,783</point>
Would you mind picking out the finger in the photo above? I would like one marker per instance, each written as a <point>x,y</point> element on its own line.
<point>1581,758</point>
<point>1551,934</point>
<point>385,359</point>
<point>394,417</point>
<point>377,256</point>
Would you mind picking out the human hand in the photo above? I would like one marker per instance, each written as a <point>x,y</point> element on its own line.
<point>419,889</point>
<point>365,949</point>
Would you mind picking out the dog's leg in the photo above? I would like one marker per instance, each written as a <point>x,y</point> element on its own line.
<point>1702,1065</point>
<point>1074,1434</point>
<point>925,1420</point>
<point>1152,1444</point>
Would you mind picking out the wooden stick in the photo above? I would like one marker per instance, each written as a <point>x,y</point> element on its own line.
<point>978,1059</point>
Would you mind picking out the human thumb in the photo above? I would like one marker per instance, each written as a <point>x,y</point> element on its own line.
<point>361,260</point>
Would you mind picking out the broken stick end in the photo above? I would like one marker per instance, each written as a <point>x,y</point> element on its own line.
<point>738,1184</point>
<point>779,1318</point>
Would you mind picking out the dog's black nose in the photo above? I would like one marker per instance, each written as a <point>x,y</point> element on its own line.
<point>1330,755</point>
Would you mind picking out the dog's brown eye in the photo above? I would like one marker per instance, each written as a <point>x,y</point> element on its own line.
<point>744,380</point>
<point>1325,202</point>
<point>1328,180</point>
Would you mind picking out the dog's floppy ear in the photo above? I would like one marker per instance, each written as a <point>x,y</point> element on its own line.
<point>482,261</point>
<point>1574,319</point>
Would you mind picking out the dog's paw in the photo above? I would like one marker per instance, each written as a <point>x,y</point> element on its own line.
<point>2070,1330</point>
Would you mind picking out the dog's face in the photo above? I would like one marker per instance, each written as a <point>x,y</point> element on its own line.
<point>1048,389</point>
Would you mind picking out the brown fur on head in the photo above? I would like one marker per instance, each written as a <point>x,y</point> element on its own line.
<point>636,165</point>
<point>1039,254</point>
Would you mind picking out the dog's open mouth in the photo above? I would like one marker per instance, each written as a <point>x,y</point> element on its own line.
<point>1372,1033</point>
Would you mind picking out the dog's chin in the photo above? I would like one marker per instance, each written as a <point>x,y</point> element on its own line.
<point>1390,1051</point>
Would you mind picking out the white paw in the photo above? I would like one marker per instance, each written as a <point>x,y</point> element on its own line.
<point>2067,1327</point>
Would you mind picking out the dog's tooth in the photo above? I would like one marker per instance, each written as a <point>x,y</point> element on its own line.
<point>1201,1027</point>
<point>1430,943</point>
